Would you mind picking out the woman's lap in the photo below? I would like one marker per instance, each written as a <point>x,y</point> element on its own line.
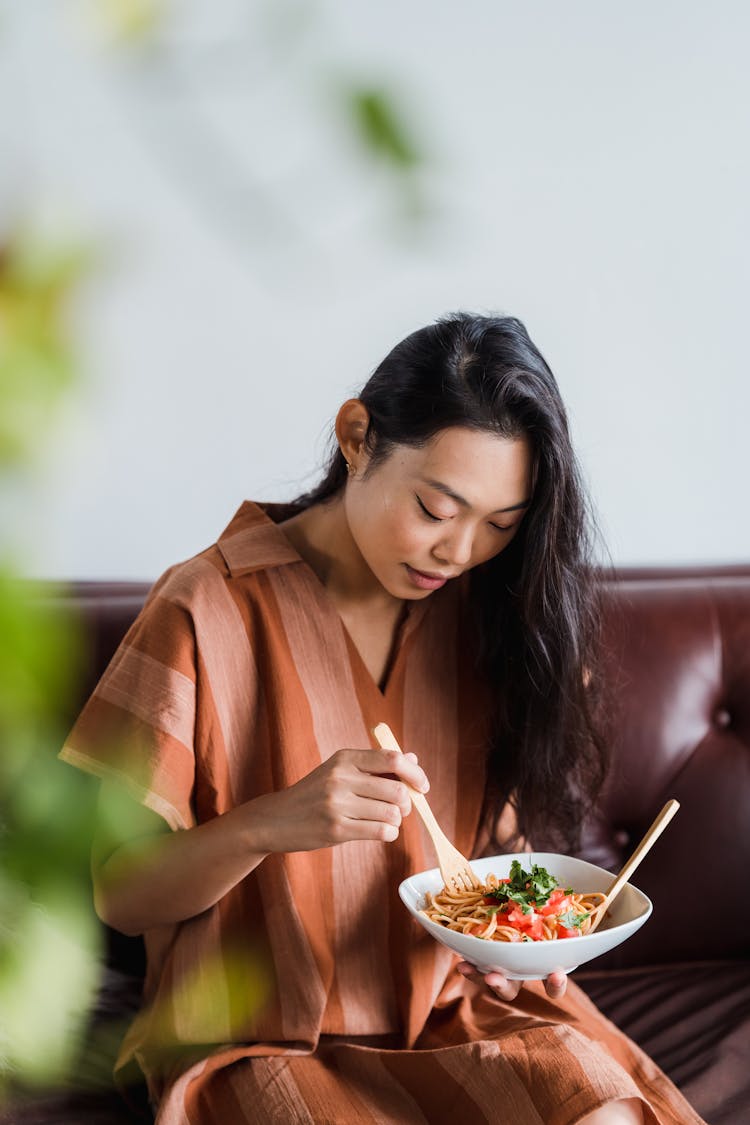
<point>341,1085</point>
<point>533,1062</point>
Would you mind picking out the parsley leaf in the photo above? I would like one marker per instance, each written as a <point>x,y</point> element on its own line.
<point>542,884</point>
<point>570,920</point>
<point>525,888</point>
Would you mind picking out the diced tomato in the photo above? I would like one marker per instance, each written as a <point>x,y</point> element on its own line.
<point>535,929</point>
<point>554,898</point>
<point>557,903</point>
<point>563,932</point>
<point>530,924</point>
<point>516,917</point>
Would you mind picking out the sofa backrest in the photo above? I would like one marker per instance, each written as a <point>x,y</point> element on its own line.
<point>679,659</point>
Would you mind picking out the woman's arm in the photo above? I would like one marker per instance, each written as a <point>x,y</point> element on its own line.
<point>146,876</point>
<point>155,877</point>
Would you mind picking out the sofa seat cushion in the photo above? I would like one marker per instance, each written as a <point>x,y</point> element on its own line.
<point>693,1019</point>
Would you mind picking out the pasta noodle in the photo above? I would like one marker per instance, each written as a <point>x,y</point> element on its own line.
<point>529,906</point>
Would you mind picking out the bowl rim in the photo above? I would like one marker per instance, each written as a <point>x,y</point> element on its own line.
<point>517,946</point>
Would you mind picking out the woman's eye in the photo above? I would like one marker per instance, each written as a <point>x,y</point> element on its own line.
<point>427,512</point>
<point>441,519</point>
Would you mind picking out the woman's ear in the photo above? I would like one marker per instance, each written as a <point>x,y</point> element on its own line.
<point>352,421</point>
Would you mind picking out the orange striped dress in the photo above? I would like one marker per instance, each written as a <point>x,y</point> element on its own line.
<point>308,994</point>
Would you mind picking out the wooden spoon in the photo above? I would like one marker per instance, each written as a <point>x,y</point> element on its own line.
<point>656,829</point>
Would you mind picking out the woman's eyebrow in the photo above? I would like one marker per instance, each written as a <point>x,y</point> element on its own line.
<point>447,491</point>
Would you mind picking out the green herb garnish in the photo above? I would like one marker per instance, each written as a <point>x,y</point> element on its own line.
<point>571,921</point>
<point>526,888</point>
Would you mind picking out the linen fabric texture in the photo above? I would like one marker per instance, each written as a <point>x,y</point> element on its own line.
<point>308,993</point>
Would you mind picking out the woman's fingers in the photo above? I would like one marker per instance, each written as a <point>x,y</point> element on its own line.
<point>466,969</point>
<point>500,985</point>
<point>376,812</point>
<point>555,985</point>
<point>404,766</point>
<point>384,790</point>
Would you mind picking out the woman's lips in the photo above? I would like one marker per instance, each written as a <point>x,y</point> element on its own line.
<point>425,581</point>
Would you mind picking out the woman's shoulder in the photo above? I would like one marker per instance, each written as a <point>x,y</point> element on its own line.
<point>222,572</point>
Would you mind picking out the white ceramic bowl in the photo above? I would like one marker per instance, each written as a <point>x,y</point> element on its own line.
<point>536,959</point>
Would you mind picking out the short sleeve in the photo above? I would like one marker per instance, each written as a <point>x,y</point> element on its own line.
<point>138,726</point>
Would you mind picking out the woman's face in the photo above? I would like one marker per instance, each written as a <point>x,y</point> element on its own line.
<point>426,515</point>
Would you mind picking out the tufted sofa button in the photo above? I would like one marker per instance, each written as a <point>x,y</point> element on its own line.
<point>622,837</point>
<point>722,718</point>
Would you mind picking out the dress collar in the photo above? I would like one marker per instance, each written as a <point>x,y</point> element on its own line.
<point>253,540</point>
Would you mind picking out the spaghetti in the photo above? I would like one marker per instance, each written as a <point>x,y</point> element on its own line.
<point>527,906</point>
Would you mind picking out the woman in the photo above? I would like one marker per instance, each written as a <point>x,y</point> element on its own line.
<point>437,580</point>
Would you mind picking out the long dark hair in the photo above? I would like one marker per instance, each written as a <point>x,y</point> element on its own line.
<point>535,603</point>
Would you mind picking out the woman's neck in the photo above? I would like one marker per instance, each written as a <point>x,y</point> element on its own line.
<point>322,537</point>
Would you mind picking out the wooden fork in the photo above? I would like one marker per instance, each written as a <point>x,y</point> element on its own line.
<point>453,866</point>
<point>656,829</point>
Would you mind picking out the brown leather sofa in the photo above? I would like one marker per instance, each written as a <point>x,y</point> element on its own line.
<point>679,652</point>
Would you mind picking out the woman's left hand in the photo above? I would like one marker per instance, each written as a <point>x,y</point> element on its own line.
<point>555,984</point>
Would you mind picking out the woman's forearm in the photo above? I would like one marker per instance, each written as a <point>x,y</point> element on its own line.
<point>164,879</point>
<point>157,878</point>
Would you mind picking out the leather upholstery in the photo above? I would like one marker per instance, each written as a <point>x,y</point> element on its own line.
<point>680,660</point>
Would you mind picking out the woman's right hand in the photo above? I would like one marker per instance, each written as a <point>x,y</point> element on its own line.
<point>153,877</point>
<point>354,795</point>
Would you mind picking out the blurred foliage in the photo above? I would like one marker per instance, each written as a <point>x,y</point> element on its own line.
<point>379,123</point>
<point>381,126</point>
<point>239,976</point>
<point>36,356</point>
<point>38,664</point>
<point>128,21</point>
<point>49,938</point>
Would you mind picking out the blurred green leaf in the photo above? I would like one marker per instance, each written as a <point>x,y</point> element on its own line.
<point>48,974</point>
<point>36,355</point>
<point>40,652</point>
<point>382,129</point>
<point>49,935</point>
<point>240,974</point>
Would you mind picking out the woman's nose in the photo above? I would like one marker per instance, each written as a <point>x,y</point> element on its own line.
<point>456,548</point>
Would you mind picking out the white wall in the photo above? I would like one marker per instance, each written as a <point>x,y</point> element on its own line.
<point>588,171</point>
